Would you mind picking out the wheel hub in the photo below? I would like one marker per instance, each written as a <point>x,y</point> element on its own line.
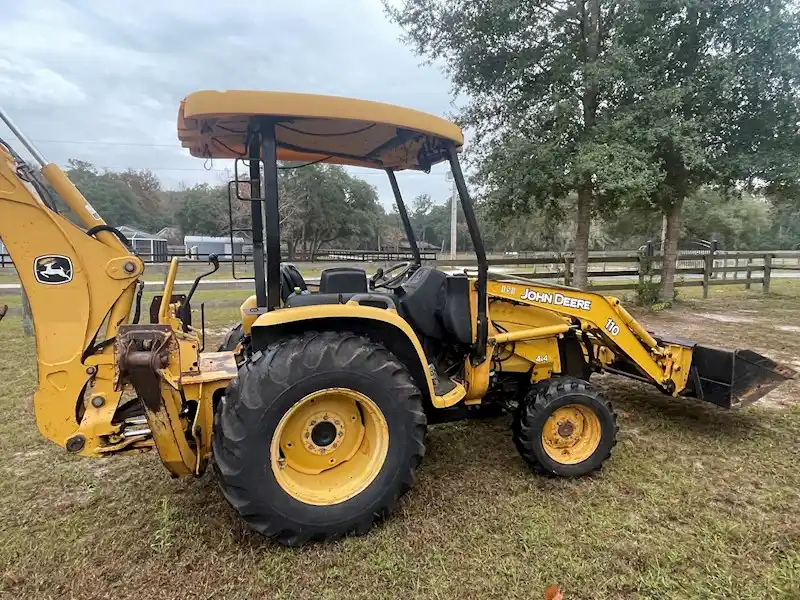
<point>565,429</point>
<point>329,445</point>
<point>571,434</point>
<point>323,434</point>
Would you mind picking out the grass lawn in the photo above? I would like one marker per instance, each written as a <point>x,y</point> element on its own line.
<point>694,503</point>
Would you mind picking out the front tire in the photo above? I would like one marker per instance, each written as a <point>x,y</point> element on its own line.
<point>565,427</point>
<point>318,437</point>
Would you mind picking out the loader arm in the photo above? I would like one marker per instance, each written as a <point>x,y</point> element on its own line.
<point>80,288</point>
<point>607,321</point>
<point>614,341</point>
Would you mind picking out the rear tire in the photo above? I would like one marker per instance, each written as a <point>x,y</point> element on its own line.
<point>565,427</point>
<point>275,487</point>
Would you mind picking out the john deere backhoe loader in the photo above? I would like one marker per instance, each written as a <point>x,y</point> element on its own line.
<point>315,410</point>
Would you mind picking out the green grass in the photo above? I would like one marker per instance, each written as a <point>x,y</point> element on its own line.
<point>694,503</point>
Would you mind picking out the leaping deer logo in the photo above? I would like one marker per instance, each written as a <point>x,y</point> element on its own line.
<point>53,269</point>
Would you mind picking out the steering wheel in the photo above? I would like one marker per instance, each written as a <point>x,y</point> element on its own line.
<point>385,279</point>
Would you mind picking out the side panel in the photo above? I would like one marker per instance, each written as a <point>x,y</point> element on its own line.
<point>404,344</point>
<point>542,355</point>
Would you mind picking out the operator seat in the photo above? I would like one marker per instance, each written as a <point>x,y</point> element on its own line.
<point>343,280</point>
<point>418,298</point>
<point>291,281</point>
<point>436,305</point>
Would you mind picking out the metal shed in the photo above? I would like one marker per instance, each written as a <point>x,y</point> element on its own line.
<point>203,245</point>
<point>149,247</point>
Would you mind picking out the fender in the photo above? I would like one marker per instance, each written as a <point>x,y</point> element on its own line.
<point>382,325</point>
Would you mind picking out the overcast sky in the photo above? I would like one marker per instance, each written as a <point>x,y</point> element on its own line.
<point>100,80</point>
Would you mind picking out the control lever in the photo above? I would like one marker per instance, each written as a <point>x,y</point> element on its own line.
<point>213,259</point>
<point>378,274</point>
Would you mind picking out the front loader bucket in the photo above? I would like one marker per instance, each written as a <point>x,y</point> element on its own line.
<point>733,379</point>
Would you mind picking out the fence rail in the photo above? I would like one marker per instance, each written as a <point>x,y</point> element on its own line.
<point>607,270</point>
<point>717,268</point>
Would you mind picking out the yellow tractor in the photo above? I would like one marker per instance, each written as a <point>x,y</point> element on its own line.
<point>315,410</point>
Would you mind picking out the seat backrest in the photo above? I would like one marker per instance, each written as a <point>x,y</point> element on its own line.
<point>454,309</point>
<point>418,300</point>
<point>291,281</point>
<point>343,280</point>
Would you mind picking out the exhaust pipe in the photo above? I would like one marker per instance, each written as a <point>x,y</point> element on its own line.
<point>733,379</point>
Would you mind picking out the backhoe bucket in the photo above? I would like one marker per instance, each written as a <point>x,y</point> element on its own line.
<point>733,379</point>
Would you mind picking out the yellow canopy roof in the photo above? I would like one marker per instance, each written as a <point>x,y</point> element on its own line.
<point>309,127</point>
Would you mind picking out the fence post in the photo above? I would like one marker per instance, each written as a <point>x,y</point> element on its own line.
<point>568,271</point>
<point>713,250</point>
<point>767,272</point>
<point>646,261</point>
<point>708,268</point>
<point>642,268</point>
<point>27,317</point>
<point>749,273</point>
<point>736,264</point>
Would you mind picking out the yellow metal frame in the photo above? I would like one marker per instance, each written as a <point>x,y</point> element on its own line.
<point>534,311</point>
<point>311,316</point>
<point>69,318</point>
<point>76,323</point>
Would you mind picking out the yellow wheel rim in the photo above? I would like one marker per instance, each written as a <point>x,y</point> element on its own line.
<point>571,434</point>
<point>329,446</point>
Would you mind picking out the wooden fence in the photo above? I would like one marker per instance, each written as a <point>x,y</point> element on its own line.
<point>606,269</point>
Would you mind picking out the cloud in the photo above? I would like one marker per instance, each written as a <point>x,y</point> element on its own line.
<point>113,71</point>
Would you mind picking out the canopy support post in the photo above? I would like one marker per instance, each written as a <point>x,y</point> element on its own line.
<point>401,208</point>
<point>257,219</point>
<point>269,154</point>
<point>479,351</point>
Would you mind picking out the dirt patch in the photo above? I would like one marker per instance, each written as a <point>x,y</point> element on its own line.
<point>782,397</point>
<point>789,328</point>
<point>727,318</point>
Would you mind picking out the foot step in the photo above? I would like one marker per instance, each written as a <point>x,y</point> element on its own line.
<point>448,392</point>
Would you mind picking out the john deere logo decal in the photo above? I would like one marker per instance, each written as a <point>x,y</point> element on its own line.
<point>53,269</point>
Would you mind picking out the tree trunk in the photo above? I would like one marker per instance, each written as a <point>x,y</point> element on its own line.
<point>583,226</point>
<point>591,38</point>
<point>290,246</point>
<point>672,236</point>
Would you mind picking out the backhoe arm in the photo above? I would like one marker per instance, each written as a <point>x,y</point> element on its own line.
<point>80,288</point>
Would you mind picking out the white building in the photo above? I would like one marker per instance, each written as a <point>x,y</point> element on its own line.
<point>203,245</point>
<point>149,247</point>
